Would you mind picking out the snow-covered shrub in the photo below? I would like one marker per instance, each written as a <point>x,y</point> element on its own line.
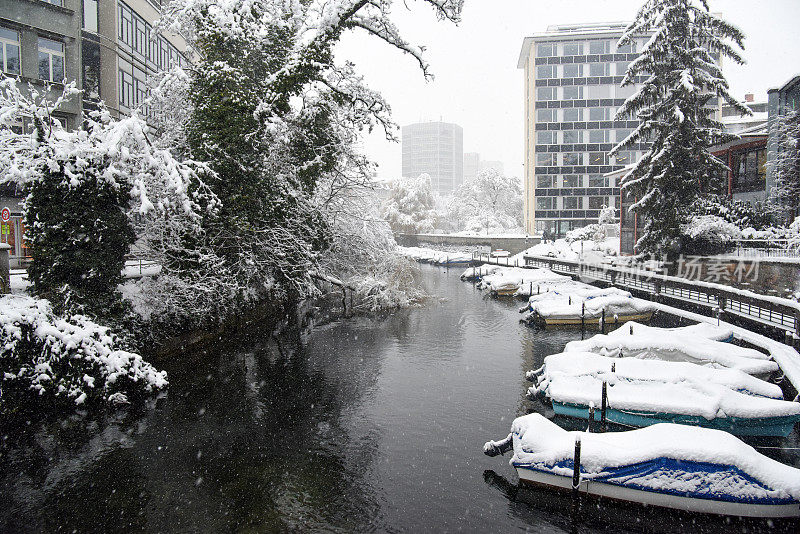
<point>591,232</point>
<point>608,215</point>
<point>739,212</point>
<point>709,234</point>
<point>49,361</point>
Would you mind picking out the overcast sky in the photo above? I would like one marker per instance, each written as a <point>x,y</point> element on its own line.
<point>479,87</point>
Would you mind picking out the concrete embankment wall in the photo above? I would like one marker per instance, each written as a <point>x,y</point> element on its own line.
<point>512,244</point>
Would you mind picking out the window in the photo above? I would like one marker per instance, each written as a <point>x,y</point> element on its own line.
<point>545,203</point>
<point>598,180</point>
<point>546,138</point>
<point>621,68</point>
<point>599,47</point>
<point>545,115</point>
<point>749,171</point>
<point>572,93</point>
<point>544,159</point>
<point>90,15</point>
<point>125,25</point>
<point>573,71</point>
<point>599,91</point>
<point>55,2</point>
<point>545,93</point>
<point>573,158</point>
<point>9,51</point>
<point>597,203</point>
<point>573,203</point>
<point>624,157</point>
<point>126,94</point>
<point>626,92</point>
<point>546,50</point>
<point>628,48</point>
<point>51,60</point>
<point>599,114</point>
<point>622,134</point>
<point>598,158</point>
<point>573,49</point>
<point>572,181</point>
<point>572,137</point>
<point>573,115</point>
<point>599,136</point>
<point>598,69</point>
<point>544,72</point>
<point>545,182</point>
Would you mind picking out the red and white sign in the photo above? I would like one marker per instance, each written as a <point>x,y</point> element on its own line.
<point>5,215</point>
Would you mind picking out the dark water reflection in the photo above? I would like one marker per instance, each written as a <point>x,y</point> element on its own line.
<point>365,424</point>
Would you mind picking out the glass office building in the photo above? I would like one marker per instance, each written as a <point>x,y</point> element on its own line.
<point>572,92</point>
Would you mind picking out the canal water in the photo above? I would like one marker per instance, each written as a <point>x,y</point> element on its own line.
<point>361,424</point>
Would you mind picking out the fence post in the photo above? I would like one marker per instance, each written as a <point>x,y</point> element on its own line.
<point>5,270</point>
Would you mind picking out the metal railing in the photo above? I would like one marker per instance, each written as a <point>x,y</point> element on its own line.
<point>775,312</point>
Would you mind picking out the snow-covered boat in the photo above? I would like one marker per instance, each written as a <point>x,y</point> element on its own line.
<point>647,392</point>
<point>588,305</point>
<point>695,344</point>
<point>508,280</point>
<point>672,466</point>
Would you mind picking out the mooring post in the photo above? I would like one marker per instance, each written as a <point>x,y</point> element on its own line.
<point>603,407</point>
<point>576,465</point>
<point>583,318</point>
<point>631,328</point>
<point>5,270</point>
<point>538,289</point>
<point>591,416</point>
<point>603,322</point>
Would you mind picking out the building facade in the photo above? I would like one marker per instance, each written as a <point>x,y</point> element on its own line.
<point>106,46</point>
<point>780,101</point>
<point>572,92</point>
<point>435,148</point>
<point>472,165</point>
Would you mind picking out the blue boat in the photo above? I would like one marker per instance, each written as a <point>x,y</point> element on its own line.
<point>672,466</point>
<point>740,426</point>
<point>639,393</point>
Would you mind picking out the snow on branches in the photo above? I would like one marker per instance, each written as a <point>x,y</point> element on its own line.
<point>674,106</point>
<point>489,202</point>
<point>410,206</point>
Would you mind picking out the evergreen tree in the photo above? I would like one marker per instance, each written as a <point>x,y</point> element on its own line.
<point>675,108</point>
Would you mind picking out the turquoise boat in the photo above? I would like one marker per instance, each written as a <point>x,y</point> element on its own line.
<point>780,426</point>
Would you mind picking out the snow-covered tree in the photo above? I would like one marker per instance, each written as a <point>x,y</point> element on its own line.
<point>608,215</point>
<point>410,206</point>
<point>786,164</point>
<point>271,112</point>
<point>673,105</point>
<point>489,202</point>
<point>86,190</point>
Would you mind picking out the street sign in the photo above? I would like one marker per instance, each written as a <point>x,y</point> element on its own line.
<point>4,229</point>
<point>5,215</point>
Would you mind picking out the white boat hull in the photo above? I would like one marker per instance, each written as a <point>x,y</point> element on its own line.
<point>664,500</point>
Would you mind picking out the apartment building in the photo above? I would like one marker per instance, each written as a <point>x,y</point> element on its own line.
<point>435,148</point>
<point>572,92</point>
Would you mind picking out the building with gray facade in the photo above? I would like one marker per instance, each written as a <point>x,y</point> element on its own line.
<point>437,149</point>
<point>572,92</point>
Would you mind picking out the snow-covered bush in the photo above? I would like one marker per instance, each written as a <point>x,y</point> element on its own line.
<point>49,361</point>
<point>709,234</point>
<point>739,212</point>
<point>608,215</point>
<point>590,232</point>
